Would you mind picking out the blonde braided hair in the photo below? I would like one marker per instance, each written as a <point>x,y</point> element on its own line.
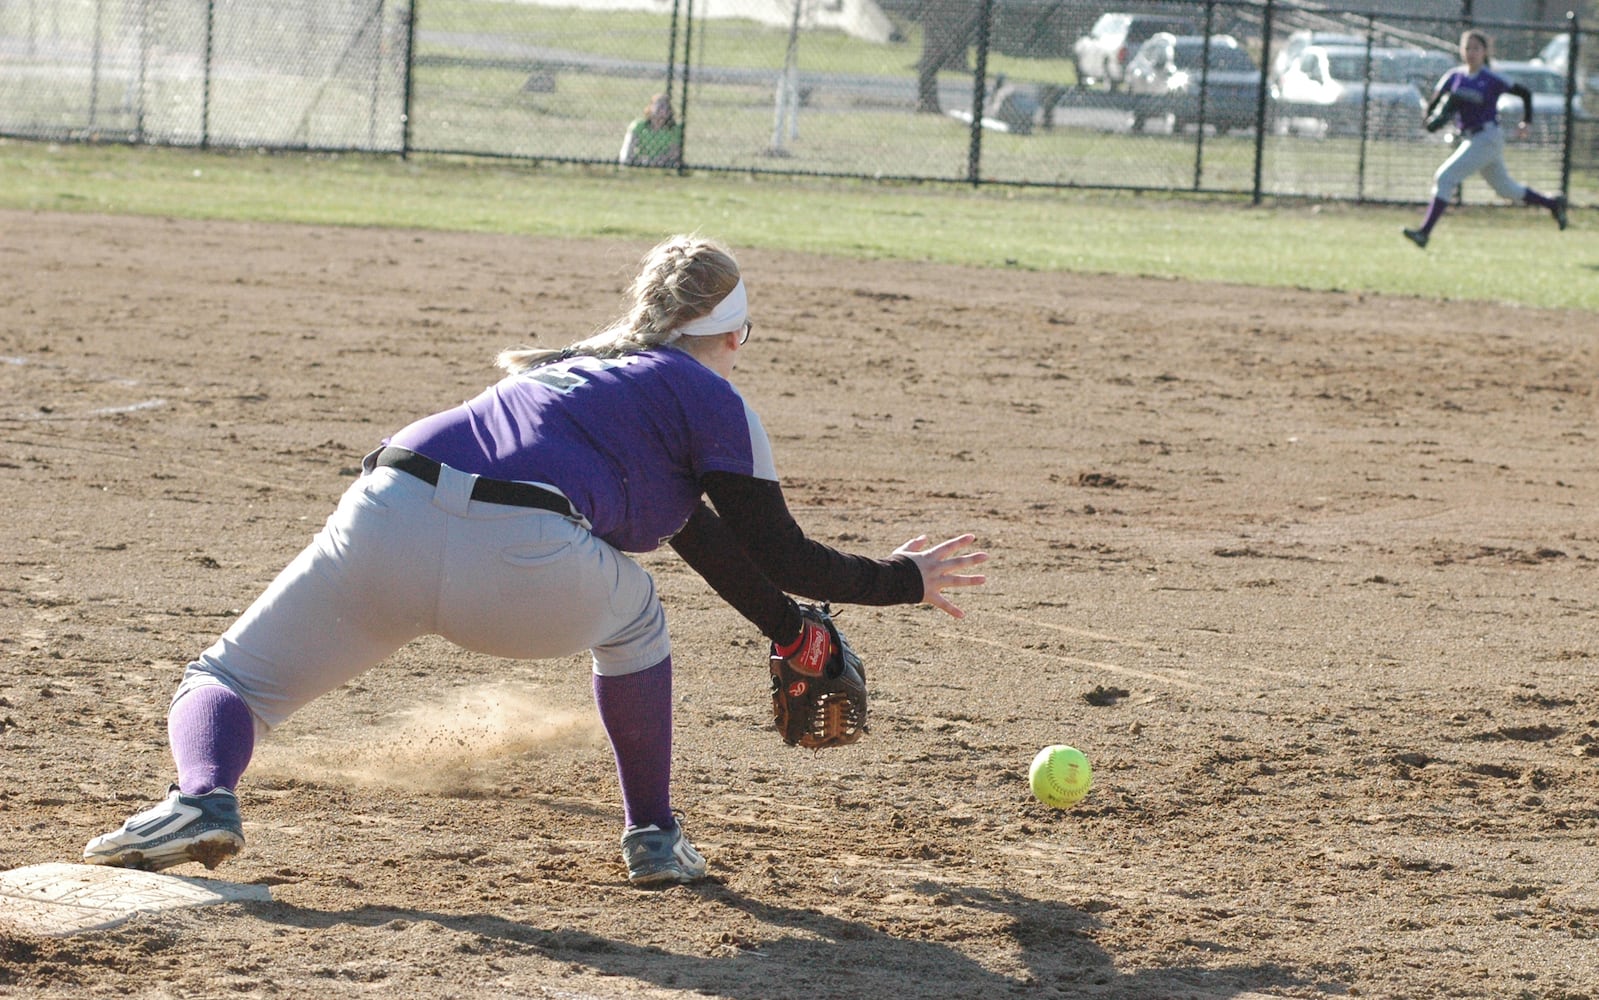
<point>679,280</point>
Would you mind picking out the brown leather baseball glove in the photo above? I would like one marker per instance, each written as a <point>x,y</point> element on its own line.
<point>818,685</point>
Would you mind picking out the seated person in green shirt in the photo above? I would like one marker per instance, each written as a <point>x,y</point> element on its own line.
<point>656,140</point>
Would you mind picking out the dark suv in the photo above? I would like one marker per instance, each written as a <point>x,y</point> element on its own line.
<point>1102,54</point>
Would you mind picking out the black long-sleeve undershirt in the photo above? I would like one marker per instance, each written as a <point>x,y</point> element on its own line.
<point>753,554</point>
<point>1520,90</point>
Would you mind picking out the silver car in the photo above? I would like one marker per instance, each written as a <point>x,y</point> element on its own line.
<point>1556,55</point>
<point>1548,99</point>
<point>1169,72</point>
<point>1101,56</point>
<point>1328,87</point>
<point>1426,68</point>
<point>1288,52</point>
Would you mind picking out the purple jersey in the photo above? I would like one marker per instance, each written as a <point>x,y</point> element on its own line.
<point>1476,96</point>
<point>626,439</point>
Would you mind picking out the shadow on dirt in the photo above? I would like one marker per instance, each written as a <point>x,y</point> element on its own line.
<point>798,954</point>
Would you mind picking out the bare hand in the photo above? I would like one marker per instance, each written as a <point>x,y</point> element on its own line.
<point>941,567</point>
<point>1523,130</point>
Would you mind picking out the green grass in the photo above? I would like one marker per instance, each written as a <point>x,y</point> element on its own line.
<point>725,42</point>
<point>1500,253</point>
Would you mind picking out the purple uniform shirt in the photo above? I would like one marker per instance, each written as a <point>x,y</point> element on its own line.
<point>1476,96</point>
<point>626,439</point>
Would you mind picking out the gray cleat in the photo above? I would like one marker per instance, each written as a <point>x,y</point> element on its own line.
<point>204,828</point>
<point>660,857</point>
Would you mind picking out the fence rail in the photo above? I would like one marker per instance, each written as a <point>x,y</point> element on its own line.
<point>1015,92</point>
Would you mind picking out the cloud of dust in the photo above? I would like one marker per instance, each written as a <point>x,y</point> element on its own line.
<point>460,744</point>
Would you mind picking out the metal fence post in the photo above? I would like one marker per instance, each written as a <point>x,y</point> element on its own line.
<point>410,79</point>
<point>671,52</point>
<point>974,153</point>
<point>682,115</point>
<point>1365,112</point>
<point>375,91</point>
<point>205,93</point>
<point>1573,57</point>
<point>1204,93</point>
<point>1262,95</point>
<point>94,66</point>
<point>144,67</point>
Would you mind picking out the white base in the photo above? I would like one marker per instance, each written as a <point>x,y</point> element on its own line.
<point>55,900</point>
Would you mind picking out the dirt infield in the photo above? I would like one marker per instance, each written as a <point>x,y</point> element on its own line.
<point>1310,577</point>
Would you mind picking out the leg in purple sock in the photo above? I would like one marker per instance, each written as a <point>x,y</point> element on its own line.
<point>636,711</point>
<point>1541,200</point>
<point>212,735</point>
<point>1435,212</point>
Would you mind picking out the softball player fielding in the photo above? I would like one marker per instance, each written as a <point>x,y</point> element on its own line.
<point>503,524</point>
<point>1471,92</point>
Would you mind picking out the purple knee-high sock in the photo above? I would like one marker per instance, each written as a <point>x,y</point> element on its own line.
<point>1541,200</point>
<point>1435,211</point>
<point>636,711</point>
<point>212,735</point>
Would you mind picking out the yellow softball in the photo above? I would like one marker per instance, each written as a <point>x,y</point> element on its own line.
<point>1060,776</point>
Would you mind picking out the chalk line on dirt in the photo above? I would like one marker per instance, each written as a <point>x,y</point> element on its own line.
<point>1082,633</point>
<point>1114,668</point>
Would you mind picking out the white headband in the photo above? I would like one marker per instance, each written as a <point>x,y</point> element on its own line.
<point>729,315</point>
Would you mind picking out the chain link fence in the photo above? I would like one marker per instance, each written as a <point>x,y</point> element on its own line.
<point>1226,96</point>
<point>290,74</point>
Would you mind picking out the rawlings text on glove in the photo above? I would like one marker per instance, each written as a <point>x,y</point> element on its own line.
<point>819,688</point>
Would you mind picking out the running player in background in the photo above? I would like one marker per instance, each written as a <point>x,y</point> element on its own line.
<point>502,525</point>
<point>1473,92</point>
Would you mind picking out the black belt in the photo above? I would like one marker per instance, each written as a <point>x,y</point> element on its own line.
<point>487,490</point>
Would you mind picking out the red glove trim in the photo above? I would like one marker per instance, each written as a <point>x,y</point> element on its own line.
<point>808,654</point>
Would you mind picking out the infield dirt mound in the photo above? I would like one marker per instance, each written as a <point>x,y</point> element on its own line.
<point>1309,576</point>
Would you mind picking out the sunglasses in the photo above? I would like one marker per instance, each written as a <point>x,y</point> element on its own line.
<point>748,326</point>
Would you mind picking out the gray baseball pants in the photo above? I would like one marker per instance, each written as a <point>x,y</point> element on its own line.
<point>1482,153</point>
<point>400,559</point>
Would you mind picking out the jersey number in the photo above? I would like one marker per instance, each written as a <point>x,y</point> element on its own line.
<point>564,378</point>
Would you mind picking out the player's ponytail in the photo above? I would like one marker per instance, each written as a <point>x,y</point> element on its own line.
<point>679,280</point>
